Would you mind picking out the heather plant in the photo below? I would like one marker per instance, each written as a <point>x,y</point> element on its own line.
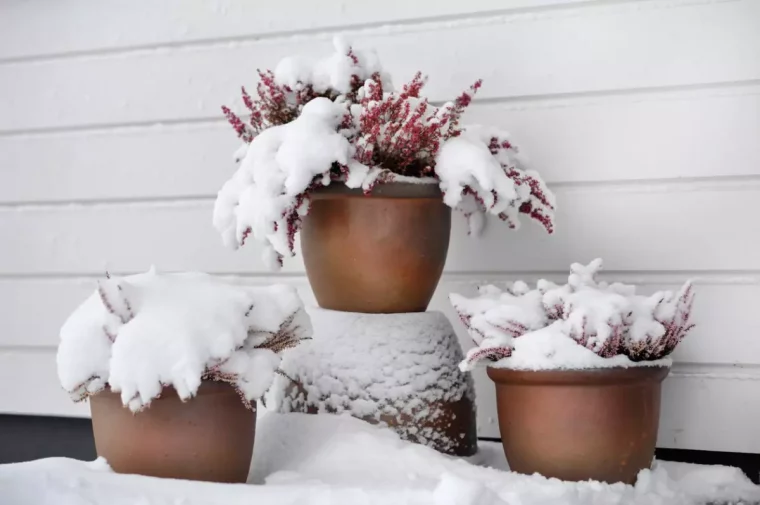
<point>219,331</point>
<point>339,120</point>
<point>282,94</point>
<point>547,324</point>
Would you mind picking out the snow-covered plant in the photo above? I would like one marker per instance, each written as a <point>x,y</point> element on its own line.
<point>402,132</point>
<point>339,119</point>
<point>141,333</point>
<point>582,324</point>
<point>281,95</point>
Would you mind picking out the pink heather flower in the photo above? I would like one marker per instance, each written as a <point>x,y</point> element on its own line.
<point>492,354</point>
<point>400,132</point>
<point>675,330</point>
<point>393,133</point>
<point>403,132</point>
<point>238,125</point>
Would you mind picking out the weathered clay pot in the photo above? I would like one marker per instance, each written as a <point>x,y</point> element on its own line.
<point>381,253</point>
<point>578,425</point>
<point>207,438</point>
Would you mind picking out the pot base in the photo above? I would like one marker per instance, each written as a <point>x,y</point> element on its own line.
<point>577,425</point>
<point>209,437</point>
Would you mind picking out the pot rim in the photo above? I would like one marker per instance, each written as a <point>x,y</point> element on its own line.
<point>381,190</point>
<point>206,388</point>
<point>590,376</point>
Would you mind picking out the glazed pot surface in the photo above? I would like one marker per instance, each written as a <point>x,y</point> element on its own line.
<point>209,437</point>
<point>578,425</point>
<point>382,253</point>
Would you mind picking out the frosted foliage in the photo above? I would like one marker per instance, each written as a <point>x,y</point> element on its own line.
<point>378,366</point>
<point>83,359</point>
<point>278,167</point>
<point>466,161</point>
<point>467,164</point>
<point>338,120</point>
<point>481,171</point>
<point>141,333</point>
<point>582,324</point>
<point>338,460</point>
<point>334,72</point>
<point>476,218</point>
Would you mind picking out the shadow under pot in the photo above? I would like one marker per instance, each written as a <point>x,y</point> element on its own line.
<point>209,437</point>
<point>576,425</point>
<point>380,253</point>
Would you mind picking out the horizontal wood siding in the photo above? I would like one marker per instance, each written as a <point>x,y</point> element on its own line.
<point>644,117</point>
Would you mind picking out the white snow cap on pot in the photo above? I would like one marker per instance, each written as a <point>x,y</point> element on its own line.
<point>140,333</point>
<point>275,173</point>
<point>579,325</point>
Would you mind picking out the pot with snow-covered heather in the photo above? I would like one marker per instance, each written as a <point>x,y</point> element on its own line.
<point>578,371</point>
<point>173,365</point>
<point>369,174</point>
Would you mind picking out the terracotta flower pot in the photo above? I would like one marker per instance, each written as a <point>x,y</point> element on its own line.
<point>207,438</point>
<point>381,253</point>
<point>596,424</point>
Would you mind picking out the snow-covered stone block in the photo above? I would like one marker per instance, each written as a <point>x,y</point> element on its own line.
<point>397,370</point>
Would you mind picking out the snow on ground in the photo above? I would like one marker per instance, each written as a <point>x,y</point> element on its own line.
<point>328,459</point>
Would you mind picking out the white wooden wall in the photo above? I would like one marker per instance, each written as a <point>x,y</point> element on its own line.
<point>643,115</point>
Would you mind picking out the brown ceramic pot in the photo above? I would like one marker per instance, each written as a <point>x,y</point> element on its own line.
<point>380,253</point>
<point>578,425</point>
<point>207,438</point>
